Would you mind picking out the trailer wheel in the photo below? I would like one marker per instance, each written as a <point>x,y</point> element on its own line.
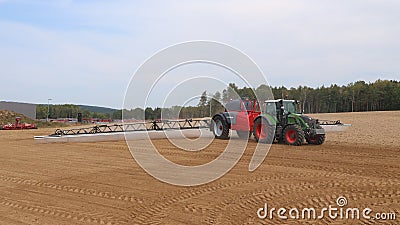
<point>263,131</point>
<point>243,134</point>
<point>220,127</point>
<point>293,135</point>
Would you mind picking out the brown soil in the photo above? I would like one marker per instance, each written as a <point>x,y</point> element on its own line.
<point>100,183</point>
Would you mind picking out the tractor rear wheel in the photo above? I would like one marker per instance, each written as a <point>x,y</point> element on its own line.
<point>220,128</point>
<point>293,135</point>
<point>263,131</point>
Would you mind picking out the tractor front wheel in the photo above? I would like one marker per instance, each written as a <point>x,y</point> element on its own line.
<point>293,135</point>
<point>220,127</point>
<point>316,140</point>
<point>263,131</point>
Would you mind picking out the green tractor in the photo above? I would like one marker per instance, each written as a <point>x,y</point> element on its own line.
<point>291,127</point>
<point>279,122</point>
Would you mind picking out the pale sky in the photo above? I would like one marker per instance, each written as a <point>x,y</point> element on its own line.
<point>85,52</point>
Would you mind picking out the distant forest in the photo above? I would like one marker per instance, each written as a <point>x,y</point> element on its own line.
<point>71,111</point>
<point>355,97</point>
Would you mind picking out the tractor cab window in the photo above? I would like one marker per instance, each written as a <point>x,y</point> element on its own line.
<point>270,108</point>
<point>290,106</point>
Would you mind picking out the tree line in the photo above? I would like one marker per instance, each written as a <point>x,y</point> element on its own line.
<point>359,96</point>
<point>381,95</point>
<point>67,111</point>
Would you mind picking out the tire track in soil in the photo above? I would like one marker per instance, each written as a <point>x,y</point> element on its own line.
<point>349,171</point>
<point>85,217</point>
<point>197,208</point>
<point>256,198</point>
<point>274,162</point>
<point>72,189</point>
<point>313,164</point>
<point>154,214</point>
<point>104,146</point>
<point>320,202</point>
<point>374,153</point>
<point>156,210</point>
<point>108,195</point>
<point>388,194</point>
<point>342,150</point>
<point>349,183</point>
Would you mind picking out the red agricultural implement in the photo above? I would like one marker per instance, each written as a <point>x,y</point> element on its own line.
<point>18,125</point>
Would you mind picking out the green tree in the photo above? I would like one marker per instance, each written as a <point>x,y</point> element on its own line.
<point>215,104</point>
<point>202,106</point>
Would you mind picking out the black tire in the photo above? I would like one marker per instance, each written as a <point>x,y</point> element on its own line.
<point>243,134</point>
<point>263,131</point>
<point>293,135</point>
<point>220,127</point>
<point>316,140</point>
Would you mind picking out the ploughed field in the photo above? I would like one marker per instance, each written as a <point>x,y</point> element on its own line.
<point>100,183</point>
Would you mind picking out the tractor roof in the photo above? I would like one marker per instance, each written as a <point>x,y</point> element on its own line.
<point>277,100</point>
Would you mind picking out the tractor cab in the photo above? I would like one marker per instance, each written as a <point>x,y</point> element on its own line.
<point>279,108</point>
<point>288,106</point>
